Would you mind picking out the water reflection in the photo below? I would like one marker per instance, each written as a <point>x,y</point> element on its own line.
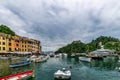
<point>62,79</point>
<point>108,63</point>
<point>101,69</point>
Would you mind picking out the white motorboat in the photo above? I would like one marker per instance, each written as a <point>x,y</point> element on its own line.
<point>85,59</point>
<point>39,58</point>
<point>62,74</point>
<point>57,56</point>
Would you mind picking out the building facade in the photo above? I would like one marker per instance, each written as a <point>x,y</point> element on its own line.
<point>3,42</point>
<point>18,44</point>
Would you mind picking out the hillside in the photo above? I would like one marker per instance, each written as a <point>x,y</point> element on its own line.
<point>80,47</point>
<point>73,47</point>
<point>108,42</point>
<point>7,30</point>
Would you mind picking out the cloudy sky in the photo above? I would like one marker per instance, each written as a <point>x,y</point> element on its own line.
<point>58,22</point>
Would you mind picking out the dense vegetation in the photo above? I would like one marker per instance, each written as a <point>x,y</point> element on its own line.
<point>73,47</point>
<point>7,30</point>
<point>79,47</point>
<point>108,42</point>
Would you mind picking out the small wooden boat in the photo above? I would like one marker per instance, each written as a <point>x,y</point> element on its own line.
<point>19,64</point>
<point>19,76</point>
<point>62,74</point>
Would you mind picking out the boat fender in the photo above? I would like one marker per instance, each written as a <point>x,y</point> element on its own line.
<point>33,75</point>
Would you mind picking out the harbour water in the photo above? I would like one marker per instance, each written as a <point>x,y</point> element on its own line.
<point>80,70</point>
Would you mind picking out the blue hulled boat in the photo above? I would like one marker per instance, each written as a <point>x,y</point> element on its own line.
<point>19,64</point>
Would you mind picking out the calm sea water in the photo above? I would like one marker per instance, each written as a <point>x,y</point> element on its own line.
<point>80,70</point>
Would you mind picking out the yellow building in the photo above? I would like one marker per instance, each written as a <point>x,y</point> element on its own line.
<point>25,44</point>
<point>33,46</point>
<point>6,43</point>
<point>2,42</point>
<point>9,43</point>
<point>18,44</point>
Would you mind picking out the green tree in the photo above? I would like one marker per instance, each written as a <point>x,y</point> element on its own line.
<point>6,30</point>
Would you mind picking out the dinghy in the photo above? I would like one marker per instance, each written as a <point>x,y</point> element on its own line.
<point>62,74</point>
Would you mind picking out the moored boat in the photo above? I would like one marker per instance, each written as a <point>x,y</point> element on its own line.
<point>57,56</point>
<point>18,64</point>
<point>62,74</point>
<point>85,59</point>
<point>19,76</point>
<point>40,59</point>
<point>51,55</point>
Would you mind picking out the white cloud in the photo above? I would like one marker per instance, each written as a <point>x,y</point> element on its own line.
<point>58,22</point>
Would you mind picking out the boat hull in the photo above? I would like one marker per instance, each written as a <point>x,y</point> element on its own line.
<point>19,64</point>
<point>19,76</point>
<point>62,75</point>
<point>44,60</point>
<point>84,59</point>
<point>40,59</point>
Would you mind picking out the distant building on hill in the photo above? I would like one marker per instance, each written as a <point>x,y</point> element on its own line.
<point>102,52</point>
<point>77,41</point>
<point>18,44</point>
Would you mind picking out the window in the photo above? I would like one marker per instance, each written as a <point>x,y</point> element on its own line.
<point>22,45</point>
<point>3,48</point>
<point>10,49</point>
<point>16,49</point>
<point>0,43</point>
<point>25,45</point>
<point>0,48</point>
<point>9,44</point>
<point>3,38</point>
<point>17,44</point>
<point>17,40</point>
<point>9,39</point>
<point>3,43</point>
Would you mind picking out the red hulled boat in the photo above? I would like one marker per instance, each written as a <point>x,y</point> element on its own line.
<point>19,76</point>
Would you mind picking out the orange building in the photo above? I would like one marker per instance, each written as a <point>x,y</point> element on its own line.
<point>17,43</point>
